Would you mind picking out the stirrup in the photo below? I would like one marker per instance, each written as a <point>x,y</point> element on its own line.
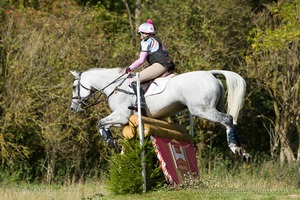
<point>135,107</point>
<point>132,108</point>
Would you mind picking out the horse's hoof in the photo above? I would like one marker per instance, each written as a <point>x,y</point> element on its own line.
<point>247,158</point>
<point>117,146</point>
<point>238,151</point>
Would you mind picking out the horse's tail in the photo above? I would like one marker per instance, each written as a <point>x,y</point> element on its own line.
<point>236,87</point>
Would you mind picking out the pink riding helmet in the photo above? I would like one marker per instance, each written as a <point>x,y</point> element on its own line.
<point>146,27</point>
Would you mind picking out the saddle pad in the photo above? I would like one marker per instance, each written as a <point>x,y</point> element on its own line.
<point>158,85</point>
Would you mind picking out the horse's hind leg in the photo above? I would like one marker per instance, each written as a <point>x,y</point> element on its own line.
<point>233,138</point>
<point>227,121</point>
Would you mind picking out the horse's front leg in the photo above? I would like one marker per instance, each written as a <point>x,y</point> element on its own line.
<point>116,118</point>
<point>108,138</point>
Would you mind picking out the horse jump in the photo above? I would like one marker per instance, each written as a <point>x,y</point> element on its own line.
<point>174,148</point>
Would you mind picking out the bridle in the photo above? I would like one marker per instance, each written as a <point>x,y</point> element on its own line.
<point>83,101</point>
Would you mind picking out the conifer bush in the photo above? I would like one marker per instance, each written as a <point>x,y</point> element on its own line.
<point>125,173</point>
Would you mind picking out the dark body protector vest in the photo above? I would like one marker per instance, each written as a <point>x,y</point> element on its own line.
<point>160,56</point>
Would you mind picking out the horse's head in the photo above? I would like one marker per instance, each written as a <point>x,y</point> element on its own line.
<point>81,92</point>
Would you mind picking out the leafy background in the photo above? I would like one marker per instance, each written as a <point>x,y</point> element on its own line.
<point>40,41</point>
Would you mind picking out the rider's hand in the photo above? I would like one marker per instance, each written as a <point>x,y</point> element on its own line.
<point>128,70</point>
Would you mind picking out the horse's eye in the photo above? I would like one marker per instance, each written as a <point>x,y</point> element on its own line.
<point>74,87</point>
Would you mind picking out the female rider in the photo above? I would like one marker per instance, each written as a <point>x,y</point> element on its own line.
<point>154,51</point>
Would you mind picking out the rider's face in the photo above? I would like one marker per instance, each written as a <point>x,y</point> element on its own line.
<point>142,35</point>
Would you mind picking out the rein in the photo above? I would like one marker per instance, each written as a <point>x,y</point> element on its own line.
<point>83,101</point>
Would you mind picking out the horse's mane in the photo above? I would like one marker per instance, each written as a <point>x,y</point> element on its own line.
<point>104,69</point>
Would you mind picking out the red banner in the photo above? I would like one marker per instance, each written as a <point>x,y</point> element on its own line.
<point>177,158</point>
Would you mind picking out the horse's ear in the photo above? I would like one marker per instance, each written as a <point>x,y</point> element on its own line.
<point>75,74</point>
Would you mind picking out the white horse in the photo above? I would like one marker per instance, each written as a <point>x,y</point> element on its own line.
<point>199,91</point>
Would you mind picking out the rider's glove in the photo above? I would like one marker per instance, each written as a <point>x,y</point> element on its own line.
<point>128,70</point>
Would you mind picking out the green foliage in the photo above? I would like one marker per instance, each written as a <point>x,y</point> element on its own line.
<point>40,41</point>
<point>202,35</point>
<point>35,98</point>
<point>284,31</point>
<point>273,63</point>
<point>125,170</point>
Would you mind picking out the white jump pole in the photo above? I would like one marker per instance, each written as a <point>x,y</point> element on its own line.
<point>141,130</point>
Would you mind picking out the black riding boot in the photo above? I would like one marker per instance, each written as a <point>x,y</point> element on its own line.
<point>143,102</point>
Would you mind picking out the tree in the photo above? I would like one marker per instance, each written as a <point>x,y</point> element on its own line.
<point>35,115</point>
<point>274,62</point>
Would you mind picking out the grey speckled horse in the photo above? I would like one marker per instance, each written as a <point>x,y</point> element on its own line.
<point>198,91</point>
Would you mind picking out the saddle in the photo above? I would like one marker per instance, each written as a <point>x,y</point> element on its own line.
<point>157,85</point>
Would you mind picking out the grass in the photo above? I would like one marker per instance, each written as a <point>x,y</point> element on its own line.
<point>262,180</point>
<point>94,191</point>
<point>212,194</point>
<point>45,192</point>
<point>227,185</point>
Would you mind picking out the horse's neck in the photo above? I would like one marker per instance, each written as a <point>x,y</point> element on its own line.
<point>101,78</point>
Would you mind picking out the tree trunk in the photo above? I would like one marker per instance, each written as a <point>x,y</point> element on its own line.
<point>51,162</point>
<point>200,147</point>
<point>137,18</point>
<point>130,20</point>
<point>281,125</point>
<point>286,153</point>
<point>2,58</point>
<point>298,119</point>
<point>298,154</point>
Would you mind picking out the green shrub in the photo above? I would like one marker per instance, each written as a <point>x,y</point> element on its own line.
<point>125,173</point>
